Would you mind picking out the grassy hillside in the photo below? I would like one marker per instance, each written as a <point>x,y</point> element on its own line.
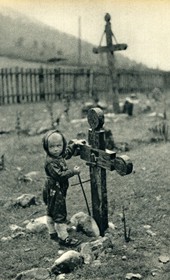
<point>24,38</point>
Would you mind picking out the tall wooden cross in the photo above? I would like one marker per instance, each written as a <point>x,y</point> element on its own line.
<point>110,49</point>
<point>99,160</point>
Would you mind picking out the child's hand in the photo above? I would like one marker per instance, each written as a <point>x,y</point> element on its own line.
<point>76,170</point>
<point>81,142</point>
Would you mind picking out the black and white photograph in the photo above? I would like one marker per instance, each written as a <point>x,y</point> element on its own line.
<point>84,139</point>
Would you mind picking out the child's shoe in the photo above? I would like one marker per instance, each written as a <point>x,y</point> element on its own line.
<point>54,236</point>
<point>69,242</point>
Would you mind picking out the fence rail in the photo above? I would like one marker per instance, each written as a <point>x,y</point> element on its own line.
<point>18,85</point>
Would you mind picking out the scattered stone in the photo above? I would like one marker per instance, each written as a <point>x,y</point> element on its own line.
<point>29,177</point>
<point>155,114</point>
<point>67,262</point>
<point>155,272</point>
<point>26,200</point>
<point>85,223</point>
<point>18,168</point>
<point>86,252</point>
<point>150,232</point>
<point>61,277</point>
<point>26,222</point>
<point>92,250</point>
<point>110,115</point>
<point>33,274</point>
<point>124,258</point>
<point>14,228</point>
<point>147,226</point>
<point>37,225</point>
<point>96,263</point>
<point>61,252</point>
<point>18,235</point>
<point>75,121</point>
<point>163,259</point>
<point>4,239</point>
<point>27,249</point>
<point>133,276</point>
<point>158,198</point>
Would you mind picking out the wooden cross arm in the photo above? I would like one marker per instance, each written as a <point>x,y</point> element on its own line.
<point>112,48</point>
<point>105,159</point>
<point>123,165</point>
<point>96,157</point>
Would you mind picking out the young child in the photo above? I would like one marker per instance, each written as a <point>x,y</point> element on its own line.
<point>56,185</point>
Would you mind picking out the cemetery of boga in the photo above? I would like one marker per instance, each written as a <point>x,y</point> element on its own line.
<point>118,207</point>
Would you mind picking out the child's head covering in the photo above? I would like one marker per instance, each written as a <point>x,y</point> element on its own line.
<point>45,140</point>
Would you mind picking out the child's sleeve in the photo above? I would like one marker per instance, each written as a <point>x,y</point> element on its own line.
<point>55,172</point>
<point>70,150</point>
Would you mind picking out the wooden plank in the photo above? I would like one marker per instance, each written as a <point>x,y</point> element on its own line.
<point>22,84</point>
<point>41,84</point>
<point>31,84</point>
<point>57,83</point>
<point>101,158</point>
<point>113,48</point>
<point>7,86</point>
<point>3,86</point>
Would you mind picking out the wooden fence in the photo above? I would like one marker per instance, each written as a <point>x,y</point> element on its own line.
<point>20,85</point>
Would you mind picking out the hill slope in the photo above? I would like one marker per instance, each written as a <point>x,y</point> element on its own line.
<point>25,38</point>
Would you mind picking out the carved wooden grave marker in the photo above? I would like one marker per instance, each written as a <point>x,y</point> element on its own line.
<point>99,160</point>
<point>110,49</point>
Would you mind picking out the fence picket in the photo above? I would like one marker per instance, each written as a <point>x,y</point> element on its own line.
<point>19,85</point>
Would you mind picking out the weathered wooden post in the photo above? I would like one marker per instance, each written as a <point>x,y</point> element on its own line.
<point>99,159</point>
<point>110,49</point>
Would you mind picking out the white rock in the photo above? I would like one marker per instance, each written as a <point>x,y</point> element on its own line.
<point>37,225</point>
<point>61,252</point>
<point>18,235</point>
<point>164,259</point>
<point>133,276</point>
<point>61,277</point>
<point>78,120</point>
<point>111,226</point>
<point>4,239</point>
<point>85,223</point>
<point>96,263</point>
<point>26,200</point>
<point>151,233</point>
<point>91,250</point>
<point>67,262</point>
<point>147,226</point>
<point>15,228</point>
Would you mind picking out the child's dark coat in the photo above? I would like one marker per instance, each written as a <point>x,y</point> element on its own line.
<point>56,185</point>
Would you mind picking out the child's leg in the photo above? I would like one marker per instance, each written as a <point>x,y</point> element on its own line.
<point>51,228</point>
<point>63,236</point>
<point>61,230</point>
